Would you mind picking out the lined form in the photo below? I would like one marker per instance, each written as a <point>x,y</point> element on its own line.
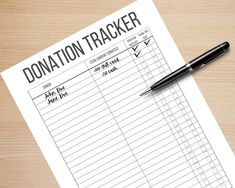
<point>111,137</point>
<point>80,99</point>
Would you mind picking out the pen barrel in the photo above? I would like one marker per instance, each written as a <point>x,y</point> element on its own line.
<point>170,78</point>
<point>208,56</point>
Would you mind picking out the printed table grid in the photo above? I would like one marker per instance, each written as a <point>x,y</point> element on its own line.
<point>109,136</point>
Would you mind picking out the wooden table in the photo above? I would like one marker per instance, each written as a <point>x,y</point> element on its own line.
<point>27,27</point>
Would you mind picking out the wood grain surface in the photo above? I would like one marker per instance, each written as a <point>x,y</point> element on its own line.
<point>29,26</point>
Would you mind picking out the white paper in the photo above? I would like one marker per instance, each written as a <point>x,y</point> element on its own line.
<point>92,126</point>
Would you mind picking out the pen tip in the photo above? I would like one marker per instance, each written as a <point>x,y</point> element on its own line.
<point>145,92</point>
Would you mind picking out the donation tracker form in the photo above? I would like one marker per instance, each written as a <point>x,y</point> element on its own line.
<point>80,99</point>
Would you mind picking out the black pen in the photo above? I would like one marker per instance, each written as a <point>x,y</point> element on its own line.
<point>198,62</point>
